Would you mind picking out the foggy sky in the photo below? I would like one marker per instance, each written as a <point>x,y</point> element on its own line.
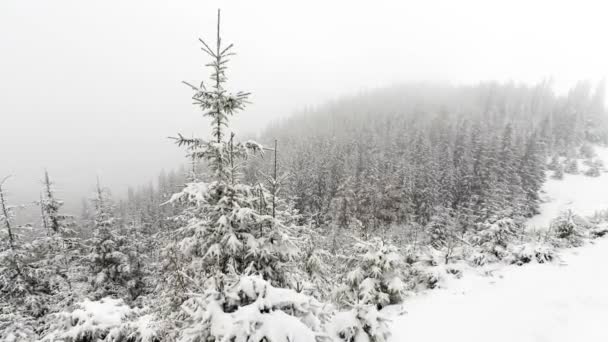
<point>94,87</point>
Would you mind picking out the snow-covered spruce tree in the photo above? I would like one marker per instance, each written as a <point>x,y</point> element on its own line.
<point>25,286</point>
<point>233,254</point>
<point>343,217</point>
<point>315,273</point>
<point>593,170</point>
<point>52,219</point>
<point>424,181</point>
<point>493,237</point>
<point>442,231</point>
<point>311,267</point>
<point>509,186</point>
<point>374,281</point>
<point>558,173</point>
<point>484,199</point>
<point>531,172</point>
<point>16,282</point>
<point>136,248</point>
<point>554,163</point>
<point>568,228</point>
<point>571,166</point>
<point>57,252</point>
<point>107,262</point>
<point>374,276</point>
<point>586,151</point>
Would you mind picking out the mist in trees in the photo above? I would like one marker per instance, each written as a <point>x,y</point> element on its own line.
<point>307,237</point>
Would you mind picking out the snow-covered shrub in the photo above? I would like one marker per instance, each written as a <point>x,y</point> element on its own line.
<point>571,166</point>
<point>493,238</point>
<point>529,252</point>
<point>569,228</point>
<point>253,310</point>
<point>558,173</point>
<point>599,231</point>
<point>427,268</point>
<point>432,269</point>
<point>586,151</point>
<point>442,232</point>
<point>35,277</point>
<point>592,171</point>
<point>374,281</point>
<point>599,163</point>
<point>554,164</point>
<point>314,271</point>
<point>15,327</point>
<point>478,259</point>
<point>375,275</point>
<point>422,278</point>
<point>363,323</point>
<point>107,319</point>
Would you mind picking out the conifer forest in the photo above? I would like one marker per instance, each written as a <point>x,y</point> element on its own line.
<point>346,221</point>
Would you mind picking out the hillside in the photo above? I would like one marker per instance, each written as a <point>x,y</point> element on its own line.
<point>560,301</point>
<point>582,194</point>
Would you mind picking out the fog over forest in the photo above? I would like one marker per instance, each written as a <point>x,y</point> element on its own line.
<point>339,171</point>
<point>93,88</point>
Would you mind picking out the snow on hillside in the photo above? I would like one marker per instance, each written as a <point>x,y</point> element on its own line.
<point>582,194</point>
<point>563,301</point>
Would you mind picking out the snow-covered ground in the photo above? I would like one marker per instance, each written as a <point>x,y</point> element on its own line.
<point>562,301</point>
<point>583,195</point>
<point>566,300</point>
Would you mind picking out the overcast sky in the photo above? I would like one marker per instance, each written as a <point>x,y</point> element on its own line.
<point>93,87</point>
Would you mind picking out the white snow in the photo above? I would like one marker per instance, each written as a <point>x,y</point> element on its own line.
<point>556,302</point>
<point>90,318</point>
<point>582,194</point>
<point>562,301</point>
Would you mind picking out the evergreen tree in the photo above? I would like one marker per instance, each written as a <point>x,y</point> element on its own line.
<point>571,166</point>
<point>374,275</point>
<point>57,222</point>
<point>532,174</point>
<point>343,219</point>
<point>108,264</point>
<point>509,185</point>
<point>424,186</point>
<point>443,233</point>
<point>25,284</point>
<point>558,173</point>
<point>228,234</point>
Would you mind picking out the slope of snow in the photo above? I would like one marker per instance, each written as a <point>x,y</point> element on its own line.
<point>583,195</point>
<point>563,301</point>
<point>557,302</point>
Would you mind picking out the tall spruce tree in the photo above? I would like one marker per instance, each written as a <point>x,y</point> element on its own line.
<point>53,219</point>
<point>108,264</point>
<point>231,249</point>
<point>226,234</point>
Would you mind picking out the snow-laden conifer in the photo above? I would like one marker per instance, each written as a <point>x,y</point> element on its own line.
<point>373,281</point>
<point>52,219</point>
<point>374,275</point>
<point>235,248</point>
<point>494,237</point>
<point>108,263</point>
<point>23,285</point>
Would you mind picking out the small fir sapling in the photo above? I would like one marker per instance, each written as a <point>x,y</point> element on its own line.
<point>375,275</point>
<point>558,173</point>
<point>571,166</point>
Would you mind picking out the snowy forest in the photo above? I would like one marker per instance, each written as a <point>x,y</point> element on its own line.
<point>317,229</point>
